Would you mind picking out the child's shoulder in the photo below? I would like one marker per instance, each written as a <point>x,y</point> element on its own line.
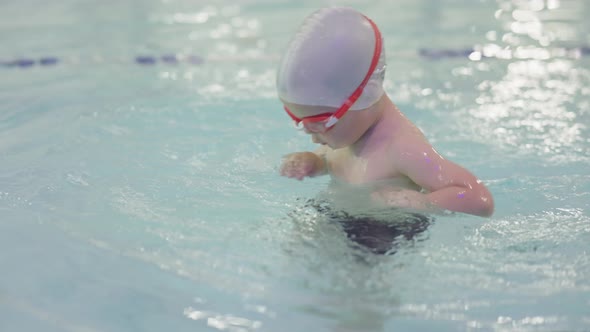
<point>408,138</point>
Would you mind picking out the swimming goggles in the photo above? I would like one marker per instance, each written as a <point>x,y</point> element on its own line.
<point>321,123</point>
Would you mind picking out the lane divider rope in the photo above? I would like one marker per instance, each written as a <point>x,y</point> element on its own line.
<point>196,60</point>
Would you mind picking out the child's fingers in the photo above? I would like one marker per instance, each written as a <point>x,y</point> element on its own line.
<point>294,166</point>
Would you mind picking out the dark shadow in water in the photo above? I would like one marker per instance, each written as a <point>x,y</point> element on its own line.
<point>379,236</point>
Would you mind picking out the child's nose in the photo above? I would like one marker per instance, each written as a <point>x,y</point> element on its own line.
<point>307,129</point>
<point>312,128</point>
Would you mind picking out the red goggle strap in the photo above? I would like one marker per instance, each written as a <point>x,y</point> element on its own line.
<point>296,119</point>
<point>313,118</point>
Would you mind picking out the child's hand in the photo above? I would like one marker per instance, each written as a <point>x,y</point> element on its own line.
<point>301,164</point>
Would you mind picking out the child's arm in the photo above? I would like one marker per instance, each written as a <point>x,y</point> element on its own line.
<point>448,186</point>
<point>299,165</point>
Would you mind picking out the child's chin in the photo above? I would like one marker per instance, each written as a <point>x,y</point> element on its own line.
<point>316,140</point>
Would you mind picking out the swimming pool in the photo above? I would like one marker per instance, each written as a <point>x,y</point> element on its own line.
<point>139,147</point>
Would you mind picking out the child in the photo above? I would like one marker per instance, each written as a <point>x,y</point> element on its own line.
<point>330,82</point>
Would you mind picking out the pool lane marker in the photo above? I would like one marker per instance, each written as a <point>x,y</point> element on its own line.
<point>196,60</point>
<point>143,60</point>
<point>477,54</point>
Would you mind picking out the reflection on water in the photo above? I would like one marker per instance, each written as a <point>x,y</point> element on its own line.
<point>531,109</point>
<point>539,104</point>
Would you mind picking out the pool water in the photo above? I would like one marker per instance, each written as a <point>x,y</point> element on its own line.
<point>139,187</point>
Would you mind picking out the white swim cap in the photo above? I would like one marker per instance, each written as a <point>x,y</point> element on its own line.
<point>328,58</point>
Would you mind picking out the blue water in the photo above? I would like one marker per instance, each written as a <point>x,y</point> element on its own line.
<point>144,195</point>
